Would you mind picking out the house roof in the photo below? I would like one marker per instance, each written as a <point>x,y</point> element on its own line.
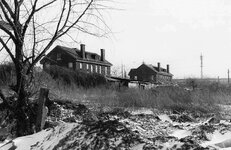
<point>76,53</point>
<point>132,71</point>
<point>154,69</point>
<point>163,70</point>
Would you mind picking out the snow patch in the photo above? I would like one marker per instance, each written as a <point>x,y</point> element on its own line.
<point>181,133</point>
<point>164,118</point>
<point>171,144</point>
<point>144,111</point>
<point>217,137</point>
<point>138,147</point>
<point>45,139</point>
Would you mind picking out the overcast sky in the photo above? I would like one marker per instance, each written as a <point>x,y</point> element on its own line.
<point>173,32</point>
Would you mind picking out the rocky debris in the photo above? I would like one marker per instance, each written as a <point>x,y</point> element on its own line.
<point>213,120</point>
<point>84,113</point>
<point>70,112</point>
<point>7,120</point>
<point>121,129</point>
<point>56,112</point>
<point>181,118</point>
<point>191,144</point>
<point>7,125</point>
<point>173,144</point>
<point>102,134</point>
<point>114,113</point>
<point>7,98</point>
<point>206,128</point>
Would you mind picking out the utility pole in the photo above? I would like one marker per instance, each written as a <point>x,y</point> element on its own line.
<point>122,71</point>
<point>228,76</point>
<point>201,66</point>
<point>125,73</point>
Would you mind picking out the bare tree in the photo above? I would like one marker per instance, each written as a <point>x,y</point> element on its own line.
<point>30,27</point>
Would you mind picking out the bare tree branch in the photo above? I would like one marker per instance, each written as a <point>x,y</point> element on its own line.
<point>8,8</point>
<point>7,49</point>
<point>10,23</point>
<point>32,36</point>
<point>7,30</point>
<point>29,18</point>
<point>5,43</point>
<point>60,18</point>
<point>58,36</point>
<point>67,17</point>
<point>45,5</point>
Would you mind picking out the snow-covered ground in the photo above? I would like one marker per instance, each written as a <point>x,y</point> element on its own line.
<point>136,130</point>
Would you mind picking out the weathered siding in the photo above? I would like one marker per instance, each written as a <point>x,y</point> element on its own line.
<point>65,59</point>
<point>95,68</point>
<point>103,70</point>
<point>145,73</point>
<point>109,71</point>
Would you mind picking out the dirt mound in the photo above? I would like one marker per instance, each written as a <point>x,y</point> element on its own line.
<point>102,134</point>
<point>74,126</point>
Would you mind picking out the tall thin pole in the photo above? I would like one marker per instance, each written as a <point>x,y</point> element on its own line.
<point>125,73</point>
<point>228,76</point>
<point>201,66</point>
<point>122,71</point>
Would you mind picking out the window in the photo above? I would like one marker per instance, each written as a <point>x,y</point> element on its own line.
<point>87,66</point>
<point>100,69</point>
<point>80,65</point>
<point>135,77</point>
<point>96,68</point>
<point>106,70</point>
<point>70,65</point>
<point>58,56</point>
<point>91,68</point>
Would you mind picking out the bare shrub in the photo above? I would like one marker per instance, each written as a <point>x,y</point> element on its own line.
<point>68,77</point>
<point>7,76</point>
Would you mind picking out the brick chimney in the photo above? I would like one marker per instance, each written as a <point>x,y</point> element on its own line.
<point>82,49</point>
<point>158,65</point>
<point>168,68</point>
<point>102,54</point>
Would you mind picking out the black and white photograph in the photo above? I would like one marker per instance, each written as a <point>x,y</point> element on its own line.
<point>115,75</point>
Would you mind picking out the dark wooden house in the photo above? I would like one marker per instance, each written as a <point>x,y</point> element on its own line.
<point>150,73</point>
<point>78,59</point>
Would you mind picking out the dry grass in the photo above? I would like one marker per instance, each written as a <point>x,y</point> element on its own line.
<point>173,98</point>
<point>203,98</point>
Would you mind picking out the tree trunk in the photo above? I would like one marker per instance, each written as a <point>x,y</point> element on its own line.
<point>22,107</point>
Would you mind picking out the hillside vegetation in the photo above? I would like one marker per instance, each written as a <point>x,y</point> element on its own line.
<point>65,84</point>
<point>88,104</point>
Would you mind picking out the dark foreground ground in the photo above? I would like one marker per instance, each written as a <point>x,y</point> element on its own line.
<point>78,126</point>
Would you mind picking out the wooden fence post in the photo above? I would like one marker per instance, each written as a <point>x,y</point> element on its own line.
<point>42,109</point>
